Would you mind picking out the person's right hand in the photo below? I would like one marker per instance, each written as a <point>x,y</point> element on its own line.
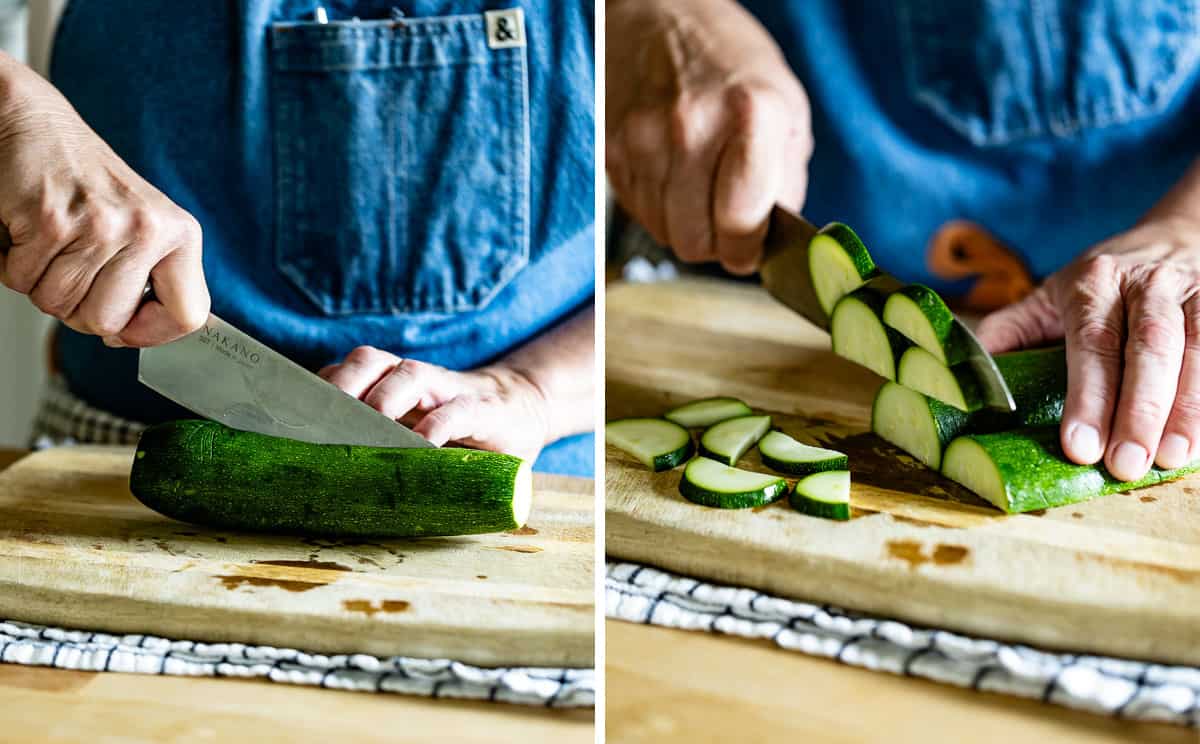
<point>708,128</point>
<point>87,232</point>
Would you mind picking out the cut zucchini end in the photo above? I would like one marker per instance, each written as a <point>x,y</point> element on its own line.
<point>707,411</point>
<point>523,494</point>
<point>903,314</point>
<point>967,463</point>
<point>825,495</point>
<point>711,483</point>
<point>656,443</point>
<point>902,417</point>
<point>784,454</point>
<point>859,336</point>
<point>921,371</point>
<point>838,263</point>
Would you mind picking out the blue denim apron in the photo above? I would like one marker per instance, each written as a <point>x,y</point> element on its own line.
<point>1055,124</point>
<point>409,175</point>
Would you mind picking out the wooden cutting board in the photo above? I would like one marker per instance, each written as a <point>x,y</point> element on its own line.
<point>1118,575</point>
<point>78,550</point>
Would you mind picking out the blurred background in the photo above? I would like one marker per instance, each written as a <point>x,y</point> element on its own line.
<point>22,328</point>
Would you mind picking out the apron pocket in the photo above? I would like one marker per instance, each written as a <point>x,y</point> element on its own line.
<point>401,161</point>
<point>999,72</point>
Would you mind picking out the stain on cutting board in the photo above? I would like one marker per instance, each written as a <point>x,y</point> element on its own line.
<point>526,530</point>
<point>369,608</point>
<point>520,548</point>
<point>914,554</point>
<point>234,581</point>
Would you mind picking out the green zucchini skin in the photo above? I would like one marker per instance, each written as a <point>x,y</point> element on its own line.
<point>205,473</point>
<point>699,493</point>
<point>815,508</point>
<point>855,250</point>
<point>1037,475</point>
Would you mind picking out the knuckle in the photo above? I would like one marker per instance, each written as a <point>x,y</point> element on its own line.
<point>52,301</point>
<point>54,227</point>
<point>192,234</point>
<point>1098,268</point>
<point>1187,411</point>
<point>1151,335</point>
<point>362,355</point>
<point>746,106</point>
<point>146,224</point>
<point>684,121</point>
<point>104,227</point>
<point>1146,409</point>
<point>1099,337</point>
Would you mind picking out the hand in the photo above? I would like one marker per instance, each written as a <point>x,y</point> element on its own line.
<point>494,408</point>
<point>708,128</point>
<point>87,232</point>
<point>1130,311</point>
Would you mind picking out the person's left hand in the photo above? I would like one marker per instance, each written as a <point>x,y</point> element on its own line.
<point>493,408</point>
<point>1129,309</point>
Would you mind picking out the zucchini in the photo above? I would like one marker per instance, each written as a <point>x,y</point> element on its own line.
<point>206,473</point>
<point>858,333</point>
<point>711,483</point>
<point>707,411</point>
<point>838,263</point>
<point>919,314</point>
<point>957,386</point>
<point>1025,469</point>
<point>825,495</point>
<point>727,441</point>
<point>919,425</point>
<point>657,444</point>
<point>783,454</point>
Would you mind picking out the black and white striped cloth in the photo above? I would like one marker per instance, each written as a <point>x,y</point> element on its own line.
<point>63,418</point>
<point>22,643</point>
<point>1117,687</point>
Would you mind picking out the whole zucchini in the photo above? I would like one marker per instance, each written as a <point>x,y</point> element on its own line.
<point>208,474</point>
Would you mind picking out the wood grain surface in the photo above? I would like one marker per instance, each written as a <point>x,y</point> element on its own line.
<point>680,687</point>
<point>77,550</point>
<point>1118,575</point>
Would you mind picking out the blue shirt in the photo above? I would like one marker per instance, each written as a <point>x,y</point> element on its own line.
<point>1054,124</point>
<point>418,180</point>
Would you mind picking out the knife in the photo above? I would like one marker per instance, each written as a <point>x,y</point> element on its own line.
<point>785,275</point>
<point>226,375</point>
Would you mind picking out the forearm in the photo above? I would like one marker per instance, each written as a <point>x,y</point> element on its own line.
<point>560,365</point>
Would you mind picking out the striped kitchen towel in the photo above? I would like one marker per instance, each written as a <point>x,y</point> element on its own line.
<point>37,645</point>
<point>1117,687</point>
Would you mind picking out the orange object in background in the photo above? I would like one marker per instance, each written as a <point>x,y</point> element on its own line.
<point>961,249</point>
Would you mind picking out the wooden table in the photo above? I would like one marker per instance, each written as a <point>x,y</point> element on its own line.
<point>54,705</point>
<point>665,686</point>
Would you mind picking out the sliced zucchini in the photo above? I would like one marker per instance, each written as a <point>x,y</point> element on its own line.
<point>707,411</point>
<point>657,444</point>
<point>838,263</point>
<point>858,333</point>
<point>916,423</point>
<point>783,454</point>
<point>1025,469</point>
<point>711,483</point>
<point>825,495</point>
<point>727,441</point>
<point>956,386</point>
<point>919,314</point>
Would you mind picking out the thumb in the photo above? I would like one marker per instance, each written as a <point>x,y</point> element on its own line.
<point>1031,322</point>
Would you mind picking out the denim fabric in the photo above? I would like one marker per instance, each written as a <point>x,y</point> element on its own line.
<point>389,178</point>
<point>1054,123</point>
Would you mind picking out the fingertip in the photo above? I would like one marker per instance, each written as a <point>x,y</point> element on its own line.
<point>1128,461</point>
<point>1173,451</point>
<point>1082,443</point>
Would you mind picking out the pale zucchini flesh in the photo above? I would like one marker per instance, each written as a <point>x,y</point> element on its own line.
<point>784,454</point>
<point>707,411</point>
<point>711,483</point>
<point>919,314</point>
<point>656,443</point>
<point>727,441</point>
<point>838,263</point>
<point>825,494</point>
<point>956,386</point>
<point>859,335</point>
<point>916,423</point>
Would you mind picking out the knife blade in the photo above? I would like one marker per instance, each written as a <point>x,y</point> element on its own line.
<point>226,375</point>
<point>785,275</point>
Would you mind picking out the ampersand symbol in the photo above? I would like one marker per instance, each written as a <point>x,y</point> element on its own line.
<point>503,32</point>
